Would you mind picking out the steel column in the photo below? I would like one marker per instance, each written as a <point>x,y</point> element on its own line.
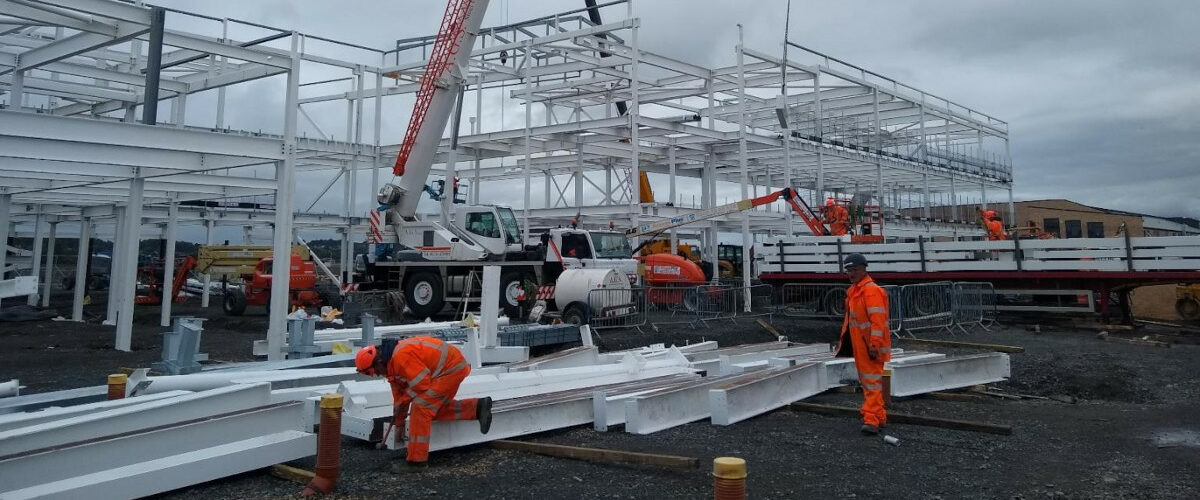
<point>36,264</point>
<point>285,172</point>
<point>153,66</point>
<point>49,274</point>
<point>168,298</point>
<point>82,258</point>
<point>208,240</point>
<point>125,294</point>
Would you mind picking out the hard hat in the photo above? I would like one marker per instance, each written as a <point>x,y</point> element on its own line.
<point>364,360</point>
<point>829,202</point>
<point>854,259</point>
<point>990,214</point>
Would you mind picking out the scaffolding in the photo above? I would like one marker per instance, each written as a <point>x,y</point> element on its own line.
<point>82,143</point>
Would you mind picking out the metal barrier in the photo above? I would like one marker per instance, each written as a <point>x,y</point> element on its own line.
<point>927,306</point>
<point>895,309</point>
<point>970,302</point>
<point>813,300</point>
<point>616,308</point>
<point>715,302</point>
<point>667,305</point>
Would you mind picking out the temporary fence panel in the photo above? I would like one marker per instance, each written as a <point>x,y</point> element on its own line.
<point>927,306</point>
<point>813,300</point>
<point>895,308</point>
<point>970,302</point>
<point>715,302</point>
<point>617,307</point>
<point>667,305</point>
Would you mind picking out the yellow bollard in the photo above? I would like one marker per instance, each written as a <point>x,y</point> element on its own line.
<point>329,446</point>
<point>116,385</point>
<point>729,478</point>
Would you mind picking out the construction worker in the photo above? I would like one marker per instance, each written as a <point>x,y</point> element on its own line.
<point>425,374</point>
<point>995,227</point>
<point>870,341</point>
<point>837,217</point>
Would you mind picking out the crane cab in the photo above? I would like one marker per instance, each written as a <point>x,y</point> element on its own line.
<point>492,227</point>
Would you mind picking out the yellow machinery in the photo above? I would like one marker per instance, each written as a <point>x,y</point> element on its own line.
<point>237,260</point>
<point>1187,301</point>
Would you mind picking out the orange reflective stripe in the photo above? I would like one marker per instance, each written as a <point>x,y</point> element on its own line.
<point>422,439</point>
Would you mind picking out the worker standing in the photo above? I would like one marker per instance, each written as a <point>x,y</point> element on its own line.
<point>425,374</point>
<point>870,342</point>
<point>837,217</point>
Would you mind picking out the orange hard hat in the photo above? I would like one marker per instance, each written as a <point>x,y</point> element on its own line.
<point>829,202</point>
<point>989,214</point>
<point>365,359</point>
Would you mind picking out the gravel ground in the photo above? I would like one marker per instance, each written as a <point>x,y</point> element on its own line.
<point>1132,433</point>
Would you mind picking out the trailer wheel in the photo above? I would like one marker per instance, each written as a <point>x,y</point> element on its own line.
<point>1188,308</point>
<point>423,292</point>
<point>576,313</point>
<point>512,284</point>
<point>835,302</point>
<point>235,302</point>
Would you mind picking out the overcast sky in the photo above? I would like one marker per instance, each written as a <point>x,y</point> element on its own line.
<point>1102,97</point>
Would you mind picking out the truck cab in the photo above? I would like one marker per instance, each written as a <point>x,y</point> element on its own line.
<point>492,227</point>
<point>579,249</point>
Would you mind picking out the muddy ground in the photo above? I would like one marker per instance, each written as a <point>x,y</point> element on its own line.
<point>1133,432</point>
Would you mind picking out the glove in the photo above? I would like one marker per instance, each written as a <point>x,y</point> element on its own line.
<point>872,352</point>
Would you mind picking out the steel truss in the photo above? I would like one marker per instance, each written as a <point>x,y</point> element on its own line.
<point>78,74</point>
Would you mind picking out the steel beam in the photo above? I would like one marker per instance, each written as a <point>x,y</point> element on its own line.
<point>666,408</point>
<point>114,451</point>
<point>24,419</point>
<point>756,393</point>
<point>576,356</point>
<point>32,402</point>
<point>919,377</point>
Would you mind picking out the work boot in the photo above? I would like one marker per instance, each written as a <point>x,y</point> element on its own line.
<point>870,430</point>
<point>483,413</point>
<point>405,467</point>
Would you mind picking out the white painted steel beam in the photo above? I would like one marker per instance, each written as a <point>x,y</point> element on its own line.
<point>574,357</point>
<point>919,377</point>
<point>177,471</point>
<point>11,421</point>
<point>109,451</point>
<point>666,408</point>
<point>753,394</point>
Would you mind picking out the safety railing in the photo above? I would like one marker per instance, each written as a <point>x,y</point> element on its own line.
<point>715,302</point>
<point>616,308</point>
<point>927,306</point>
<point>971,302</point>
<point>813,300</point>
<point>895,308</point>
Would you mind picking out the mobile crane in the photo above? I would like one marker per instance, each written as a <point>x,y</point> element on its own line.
<point>438,262</point>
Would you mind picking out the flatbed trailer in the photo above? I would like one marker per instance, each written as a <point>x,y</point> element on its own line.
<point>1104,266</point>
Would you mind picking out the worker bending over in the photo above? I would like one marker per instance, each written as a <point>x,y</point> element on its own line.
<point>837,217</point>
<point>425,374</point>
<point>995,227</point>
<point>870,341</point>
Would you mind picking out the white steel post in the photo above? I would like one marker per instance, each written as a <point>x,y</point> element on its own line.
<point>49,275</point>
<point>378,155</point>
<point>578,171</point>
<point>208,240</point>
<point>671,168</point>
<point>747,244</point>
<point>168,298</point>
<point>133,233</point>
<point>1012,209</point>
<point>528,124</point>
<point>983,195</point>
<point>925,193</point>
<point>548,181</point>
<point>709,184</point>
<point>16,92</point>
<point>819,128</point>
<point>285,188</point>
<point>81,263</point>
<point>787,144</point>
<point>116,265</point>
<point>36,264</point>
<point>635,178</point>
<point>5,212</point>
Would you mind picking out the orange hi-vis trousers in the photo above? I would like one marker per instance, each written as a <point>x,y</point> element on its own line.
<point>426,372</point>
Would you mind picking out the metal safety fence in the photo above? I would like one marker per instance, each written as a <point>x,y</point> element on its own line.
<point>828,301</point>
<point>927,306</point>
<point>613,308</point>
<point>974,305</point>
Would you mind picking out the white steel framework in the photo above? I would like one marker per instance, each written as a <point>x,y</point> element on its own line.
<point>598,110</point>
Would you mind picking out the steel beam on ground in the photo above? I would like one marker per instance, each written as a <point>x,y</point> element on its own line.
<point>576,356</point>
<point>114,451</point>
<point>756,393</point>
<point>919,377</point>
<point>24,419</point>
<point>666,408</point>
<point>277,379</point>
<point>608,408</point>
<point>177,471</point>
<point>132,418</point>
<point>31,402</point>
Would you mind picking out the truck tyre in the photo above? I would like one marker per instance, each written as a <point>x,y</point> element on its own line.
<point>235,302</point>
<point>1188,308</point>
<point>576,313</point>
<point>424,294</point>
<point>512,283</point>
<point>835,302</point>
